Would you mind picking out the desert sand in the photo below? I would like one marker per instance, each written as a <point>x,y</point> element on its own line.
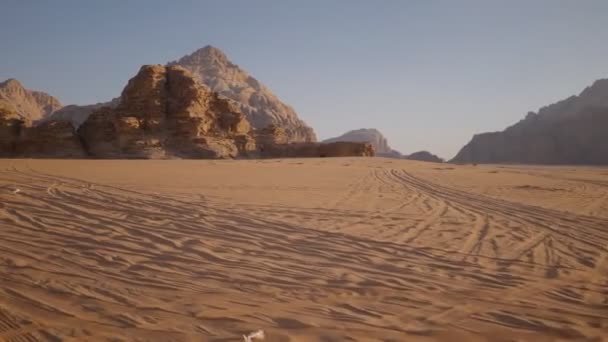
<point>345,249</point>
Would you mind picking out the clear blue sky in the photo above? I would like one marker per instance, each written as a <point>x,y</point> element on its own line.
<point>428,74</point>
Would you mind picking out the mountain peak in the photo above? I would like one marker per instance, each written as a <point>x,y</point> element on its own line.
<point>602,82</point>
<point>211,66</point>
<point>11,83</point>
<point>210,49</point>
<point>29,104</point>
<point>598,88</point>
<point>207,55</point>
<point>367,130</point>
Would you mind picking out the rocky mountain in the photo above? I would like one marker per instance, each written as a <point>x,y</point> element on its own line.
<point>262,108</point>
<point>370,135</point>
<point>76,115</point>
<point>424,156</point>
<point>28,104</point>
<point>272,143</point>
<point>164,112</point>
<point>572,131</point>
<point>54,139</point>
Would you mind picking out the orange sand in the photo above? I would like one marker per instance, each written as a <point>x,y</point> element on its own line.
<point>342,249</point>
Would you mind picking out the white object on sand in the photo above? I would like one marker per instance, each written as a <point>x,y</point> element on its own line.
<point>254,335</point>
<point>16,191</point>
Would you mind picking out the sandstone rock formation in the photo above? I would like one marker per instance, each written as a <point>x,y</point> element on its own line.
<point>28,104</point>
<point>51,139</point>
<point>572,131</point>
<point>317,150</point>
<point>48,140</point>
<point>372,136</point>
<point>272,142</point>
<point>271,135</point>
<point>424,156</point>
<point>11,125</point>
<point>346,148</point>
<point>262,108</point>
<point>163,112</point>
<point>76,115</point>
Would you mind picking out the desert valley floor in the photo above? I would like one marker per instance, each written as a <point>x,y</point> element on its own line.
<point>345,249</point>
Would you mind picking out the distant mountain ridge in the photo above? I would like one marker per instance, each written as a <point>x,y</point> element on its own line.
<point>424,156</point>
<point>163,113</point>
<point>571,131</point>
<point>211,66</point>
<point>28,104</point>
<point>381,145</point>
<point>371,135</point>
<point>77,115</point>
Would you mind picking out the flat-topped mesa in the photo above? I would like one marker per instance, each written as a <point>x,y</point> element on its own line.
<point>163,112</point>
<point>271,134</point>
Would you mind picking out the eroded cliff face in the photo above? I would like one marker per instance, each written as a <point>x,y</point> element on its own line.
<point>52,139</point>
<point>262,108</point>
<point>18,138</point>
<point>164,112</point>
<point>11,125</point>
<point>571,131</point>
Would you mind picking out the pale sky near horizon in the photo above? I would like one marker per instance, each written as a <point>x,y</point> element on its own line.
<point>427,74</point>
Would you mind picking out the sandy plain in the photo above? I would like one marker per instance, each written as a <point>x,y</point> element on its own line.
<point>345,249</point>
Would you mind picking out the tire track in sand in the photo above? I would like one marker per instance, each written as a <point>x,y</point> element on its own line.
<point>590,236</point>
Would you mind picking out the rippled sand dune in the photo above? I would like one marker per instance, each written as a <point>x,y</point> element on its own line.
<point>306,249</point>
